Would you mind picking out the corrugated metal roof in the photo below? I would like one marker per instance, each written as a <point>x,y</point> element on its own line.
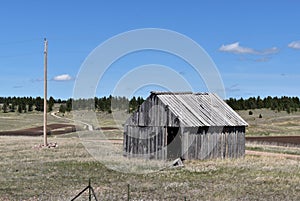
<point>200,109</point>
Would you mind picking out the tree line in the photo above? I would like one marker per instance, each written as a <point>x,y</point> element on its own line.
<point>283,103</point>
<point>107,104</point>
<point>26,104</point>
<point>104,104</point>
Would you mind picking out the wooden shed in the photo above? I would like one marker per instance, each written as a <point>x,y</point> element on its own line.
<point>187,125</point>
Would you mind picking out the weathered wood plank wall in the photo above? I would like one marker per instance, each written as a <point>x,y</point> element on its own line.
<point>150,142</point>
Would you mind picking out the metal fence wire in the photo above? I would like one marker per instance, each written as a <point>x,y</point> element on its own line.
<point>90,190</point>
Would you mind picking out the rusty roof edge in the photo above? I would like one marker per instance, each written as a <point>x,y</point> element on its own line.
<point>170,93</point>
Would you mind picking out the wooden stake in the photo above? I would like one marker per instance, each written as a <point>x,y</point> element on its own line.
<point>45,90</point>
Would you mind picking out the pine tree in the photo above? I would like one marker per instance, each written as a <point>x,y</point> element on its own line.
<point>51,102</point>
<point>30,105</point>
<point>39,104</point>
<point>24,108</point>
<point>69,105</point>
<point>20,108</point>
<point>12,107</point>
<point>4,107</point>
<point>62,109</point>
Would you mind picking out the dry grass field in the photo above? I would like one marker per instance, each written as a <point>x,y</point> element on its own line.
<point>28,173</point>
<point>272,123</point>
<point>16,121</point>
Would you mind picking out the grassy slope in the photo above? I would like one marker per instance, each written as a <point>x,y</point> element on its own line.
<point>272,123</point>
<point>15,121</point>
<point>58,174</point>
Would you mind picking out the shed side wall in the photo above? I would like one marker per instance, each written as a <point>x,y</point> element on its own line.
<point>214,142</point>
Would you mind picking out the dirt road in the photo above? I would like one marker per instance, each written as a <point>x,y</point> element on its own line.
<point>90,127</point>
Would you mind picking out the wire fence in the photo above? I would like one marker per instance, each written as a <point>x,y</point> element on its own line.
<point>88,193</point>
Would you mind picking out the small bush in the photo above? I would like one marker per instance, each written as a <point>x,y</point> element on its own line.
<point>250,112</point>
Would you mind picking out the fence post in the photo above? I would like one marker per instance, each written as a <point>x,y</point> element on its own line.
<point>128,192</point>
<point>90,195</point>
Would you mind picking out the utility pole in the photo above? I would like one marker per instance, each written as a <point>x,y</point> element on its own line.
<point>45,90</point>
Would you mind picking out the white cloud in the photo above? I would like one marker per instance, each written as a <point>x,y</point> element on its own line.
<point>272,50</point>
<point>294,45</point>
<point>237,49</point>
<point>63,77</point>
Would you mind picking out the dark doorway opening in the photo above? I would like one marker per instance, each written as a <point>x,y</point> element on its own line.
<point>173,142</point>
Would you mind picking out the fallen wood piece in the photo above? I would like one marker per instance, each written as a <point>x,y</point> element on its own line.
<point>177,163</point>
<point>49,145</point>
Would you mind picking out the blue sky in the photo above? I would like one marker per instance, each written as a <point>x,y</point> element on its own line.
<point>254,44</point>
